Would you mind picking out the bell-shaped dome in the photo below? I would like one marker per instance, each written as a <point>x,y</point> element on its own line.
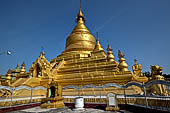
<point>80,39</point>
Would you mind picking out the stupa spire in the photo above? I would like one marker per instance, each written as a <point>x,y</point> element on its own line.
<point>123,66</point>
<point>136,61</point>
<point>42,52</point>
<point>17,65</point>
<point>80,15</point>
<point>110,56</point>
<point>22,68</point>
<point>98,46</point>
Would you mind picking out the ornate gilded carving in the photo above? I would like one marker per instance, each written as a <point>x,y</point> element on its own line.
<point>157,89</point>
<point>137,68</point>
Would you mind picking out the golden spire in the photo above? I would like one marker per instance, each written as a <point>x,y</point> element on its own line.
<point>23,64</point>
<point>8,77</point>
<point>98,46</point>
<point>9,71</point>
<point>80,14</point>
<point>22,68</point>
<point>120,54</point>
<point>110,56</point>
<point>136,61</point>
<point>42,52</point>
<point>80,39</point>
<point>17,65</point>
<point>123,66</point>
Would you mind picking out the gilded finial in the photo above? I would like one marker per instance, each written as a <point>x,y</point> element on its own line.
<point>98,46</point>
<point>42,51</point>
<point>80,4</point>
<point>9,71</point>
<point>23,64</point>
<point>22,68</point>
<point>120,54</point>
<point>97,33</point>
<point>123,66</point>
<point>97,40</point>
<point>80,14</point>
<point>135,60</point>
<point>109,48</point>
<point>110,56</point>
<point>18,65</point>
<point>42,48</point>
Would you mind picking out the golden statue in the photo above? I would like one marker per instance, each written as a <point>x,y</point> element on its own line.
<point>157,89</point>
<point>137,68</point>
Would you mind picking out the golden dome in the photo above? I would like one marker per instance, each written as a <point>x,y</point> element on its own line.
<point>80,39</point>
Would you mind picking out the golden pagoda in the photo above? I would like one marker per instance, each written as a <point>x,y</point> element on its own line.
<point>83,62</point>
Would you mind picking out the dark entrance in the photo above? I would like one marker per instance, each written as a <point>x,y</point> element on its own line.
<point>38,70</point>
<point>52,89</point>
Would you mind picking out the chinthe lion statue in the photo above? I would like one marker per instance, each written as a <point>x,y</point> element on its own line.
<point>157,89</point>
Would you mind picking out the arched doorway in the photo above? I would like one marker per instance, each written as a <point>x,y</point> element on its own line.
<point>52,90</point>
<point>38,69</point>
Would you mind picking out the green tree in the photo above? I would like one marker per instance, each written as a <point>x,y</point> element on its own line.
<point>147,74</point>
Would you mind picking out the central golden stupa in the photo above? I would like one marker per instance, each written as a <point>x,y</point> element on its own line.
<point>83,62</point>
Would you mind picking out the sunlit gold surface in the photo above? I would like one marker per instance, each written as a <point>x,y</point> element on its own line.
<point>157,89</point>
<point>80,39</point>
<point>84,61</point>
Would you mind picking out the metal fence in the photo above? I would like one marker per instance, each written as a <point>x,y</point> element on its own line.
<point>13,100</point>
<point>146,100</point>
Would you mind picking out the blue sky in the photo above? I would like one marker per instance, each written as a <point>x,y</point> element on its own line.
<point>139,28</point>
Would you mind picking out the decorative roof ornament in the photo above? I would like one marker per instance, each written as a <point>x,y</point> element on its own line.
<point>23,64</point>
<point>42,51</point>
<point>9,71</point>
<point>17,65</point>
<point>109,48</point>
<point>98,46</point>
<point>110,56</point>
<point>137,68</point>
<point>123,66</point>
<point>80,14</point>
<point>135,61</point>
<point>120,54</point>
<point>22,68</point>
